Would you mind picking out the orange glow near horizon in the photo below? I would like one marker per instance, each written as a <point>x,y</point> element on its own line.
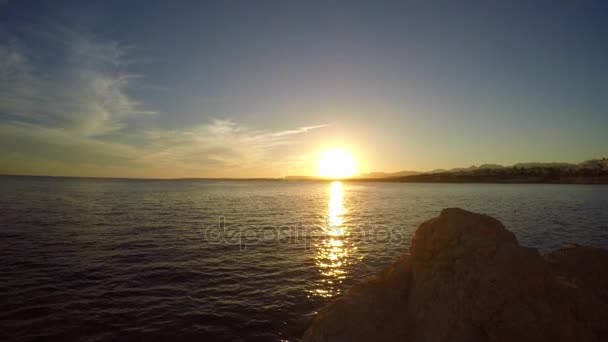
<point>336,163</point>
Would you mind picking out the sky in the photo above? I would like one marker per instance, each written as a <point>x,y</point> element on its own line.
<point>173,89</point>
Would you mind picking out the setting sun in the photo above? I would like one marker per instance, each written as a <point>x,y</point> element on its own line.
<point>336,163</point>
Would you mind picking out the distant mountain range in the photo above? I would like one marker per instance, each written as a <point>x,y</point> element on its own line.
<point>387,174</point>
<point>588,172</point>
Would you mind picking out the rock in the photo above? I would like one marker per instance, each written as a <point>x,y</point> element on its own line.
<point>467,279</point>
<point>584,273</point>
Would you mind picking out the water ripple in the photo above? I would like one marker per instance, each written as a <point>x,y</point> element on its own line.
<point>109,260</point>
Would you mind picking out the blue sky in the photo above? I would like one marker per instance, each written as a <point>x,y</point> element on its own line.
<point>258,88</point>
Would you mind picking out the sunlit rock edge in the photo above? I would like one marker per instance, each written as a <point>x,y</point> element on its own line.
<point>466,278</point>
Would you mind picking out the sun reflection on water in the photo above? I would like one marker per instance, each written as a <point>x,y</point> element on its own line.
<point>333,251</point>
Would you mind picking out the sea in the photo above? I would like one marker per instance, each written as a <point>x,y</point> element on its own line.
<point>231,260</point>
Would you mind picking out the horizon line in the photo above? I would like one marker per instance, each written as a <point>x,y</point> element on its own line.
<point>299,177</point>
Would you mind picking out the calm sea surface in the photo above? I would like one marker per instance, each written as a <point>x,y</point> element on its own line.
<point>106,260</point>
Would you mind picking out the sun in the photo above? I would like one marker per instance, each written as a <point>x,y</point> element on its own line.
<point>336,163</point>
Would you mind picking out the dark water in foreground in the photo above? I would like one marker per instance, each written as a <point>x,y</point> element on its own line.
<point>101,260</point>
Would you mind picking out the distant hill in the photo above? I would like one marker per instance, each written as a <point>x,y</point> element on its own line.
<point>589,172</point>
<point>593,171</point>
<point>387,174</point>
<point>301,178</point>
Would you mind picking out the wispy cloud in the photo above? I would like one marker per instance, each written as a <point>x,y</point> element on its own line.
<point>86,94</point>
<point>297,131</point>
<point>220,146</point>
<point>69,116</point>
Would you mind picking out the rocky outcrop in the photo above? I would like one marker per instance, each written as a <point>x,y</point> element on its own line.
<point>466,278</point>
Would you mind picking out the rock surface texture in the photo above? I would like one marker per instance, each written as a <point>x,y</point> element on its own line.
<point>466,278</point>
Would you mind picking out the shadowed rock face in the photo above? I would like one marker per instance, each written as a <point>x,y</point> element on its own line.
<point>467,279</point>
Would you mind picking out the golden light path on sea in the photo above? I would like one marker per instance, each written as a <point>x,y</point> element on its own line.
<point>332,250</point>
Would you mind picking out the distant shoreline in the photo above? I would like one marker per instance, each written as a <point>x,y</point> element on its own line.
<point>421,178</point>
<point>594,171</point>
<point>472,179</point>
<point>591,181</point>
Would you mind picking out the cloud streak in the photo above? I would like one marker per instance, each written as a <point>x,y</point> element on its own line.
<point>86,94</point>
<point>72,118</point>
<point>221,147</point>
<point>297,131</point>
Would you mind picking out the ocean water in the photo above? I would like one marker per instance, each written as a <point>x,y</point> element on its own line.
<point>107,260</point>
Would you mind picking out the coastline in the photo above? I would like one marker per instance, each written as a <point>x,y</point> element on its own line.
<point>422,179</point>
